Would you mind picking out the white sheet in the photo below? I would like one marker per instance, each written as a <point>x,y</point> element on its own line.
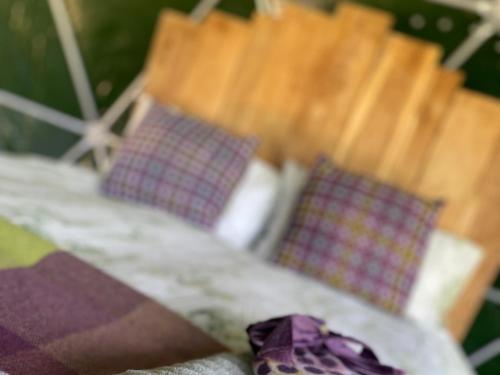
<point>220,290</point>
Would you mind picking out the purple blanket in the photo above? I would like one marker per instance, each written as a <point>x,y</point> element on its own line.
<point>63,316</point>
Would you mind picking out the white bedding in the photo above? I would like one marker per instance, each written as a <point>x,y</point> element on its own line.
<point>220,290</point>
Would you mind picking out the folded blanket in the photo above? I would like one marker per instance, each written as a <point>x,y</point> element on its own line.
<point>63,316</point>
<point>221,364</point>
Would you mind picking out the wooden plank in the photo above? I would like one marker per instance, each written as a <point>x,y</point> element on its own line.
<point>461,158</point>
<point>411,165</point>
<point>340,67</point>
<point>238,110</point>
<point>461,316</point>
<point>222,39</point>
<point>383,120</point>
<point>485,224</point>
<point>269,87</point>
<point>173,49</point>
<point>464,147</point>
<point>462,170</point>
<point>486,230</point>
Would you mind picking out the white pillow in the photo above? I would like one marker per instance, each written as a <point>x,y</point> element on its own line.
<point>293,179</point>
<point>448,265</point>
<point>250,205</point>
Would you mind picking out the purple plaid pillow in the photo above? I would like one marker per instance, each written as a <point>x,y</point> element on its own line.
<point>181,165</point>
<point>359,235</point>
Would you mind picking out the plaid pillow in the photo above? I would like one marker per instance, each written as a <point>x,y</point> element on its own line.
<point>359,235</point>
<point>179,164</point>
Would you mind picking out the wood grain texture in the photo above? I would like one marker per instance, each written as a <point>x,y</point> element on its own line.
<point>461,158</point>
<point>462,170</point>
<point>336,75</point>
<point>411,165</point>
<point>380,129</point>
<point>221,40</point>
<point>270,87</point>
<point>376,101</point>
<point>171,55</point>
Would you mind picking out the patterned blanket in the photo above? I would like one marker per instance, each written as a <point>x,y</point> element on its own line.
<point>63,316</point>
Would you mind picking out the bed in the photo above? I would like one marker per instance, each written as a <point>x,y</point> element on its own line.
<point>375,101</point>
<point>222,291</point>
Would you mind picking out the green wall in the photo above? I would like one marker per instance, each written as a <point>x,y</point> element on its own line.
<point>113,36</point>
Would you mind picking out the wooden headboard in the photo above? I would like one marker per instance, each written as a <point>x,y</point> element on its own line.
<point>345,84</point>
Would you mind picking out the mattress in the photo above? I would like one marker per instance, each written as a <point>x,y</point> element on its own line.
<point>217,288</point>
